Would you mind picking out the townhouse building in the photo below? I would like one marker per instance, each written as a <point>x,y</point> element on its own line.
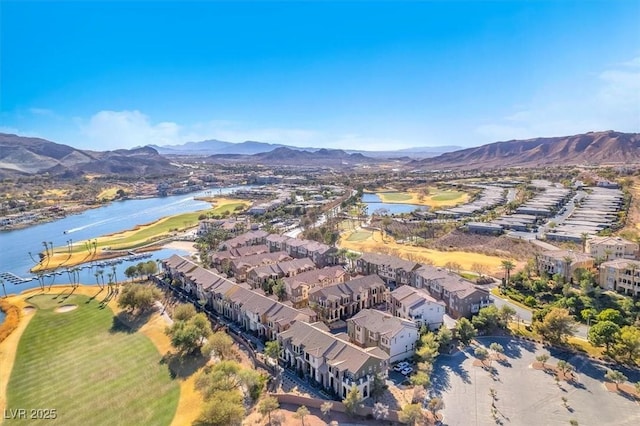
<point>298,286</point>
<point>417,305</point>
<point>253,312</point>
<point>240,266</point>
<point>393,270</point>
<point>322,254</point>
<point>258,276</point>
<point>461,297</point>
<point>222,259</point>
<point>342,300</point>
<point>250,238</point>
<point>335,364</point>
<point>397,337</point>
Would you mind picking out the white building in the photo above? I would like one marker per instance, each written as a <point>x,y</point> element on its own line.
<point>397,337</point>
<point>417,305</point>
<point>611,248</point>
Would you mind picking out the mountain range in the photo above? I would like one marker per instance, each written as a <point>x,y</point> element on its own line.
<point>593,148</point>
<point>284,156</point>
<point>214,147</point>
<point>25,155</point>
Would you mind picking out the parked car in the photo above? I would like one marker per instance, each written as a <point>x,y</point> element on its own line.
<point>401,366</point>
<point>406,371</point>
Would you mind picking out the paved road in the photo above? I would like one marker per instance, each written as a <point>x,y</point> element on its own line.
<point>525,315</point>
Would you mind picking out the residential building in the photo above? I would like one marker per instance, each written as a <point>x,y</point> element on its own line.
<point>417,305</point>
<point>461,297</point>
<point>254,312</point>
<point>393,270</point>
<point>298,286</point>
<point>610,248</point>
<point>342,300</point>
<point>257,276</point>
<point>322,254</point>
<point>335,364</point>
<point>621,275</point>
<point>241,265</point>
<point>222,259</point>
<point>397,337</point>
<point>250,238</point>
<point>563,262</point>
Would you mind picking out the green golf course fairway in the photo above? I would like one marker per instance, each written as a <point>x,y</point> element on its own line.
<point>75,363</point>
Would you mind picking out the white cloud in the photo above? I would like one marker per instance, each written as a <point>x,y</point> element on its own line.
<point>43,112</point>
<point>124,129</point>
<point>611,103</point>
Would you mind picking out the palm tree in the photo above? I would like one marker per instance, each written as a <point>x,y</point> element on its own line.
<point>3,288</point>
<point>97,275</point>
<point>584,237</point>
<point>101,273</point>
<point>567,263</point>
<point>32,258</point>
<point>507,266</point>
<point>352,257</point>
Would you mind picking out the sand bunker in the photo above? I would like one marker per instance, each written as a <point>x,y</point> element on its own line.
<point>28,310</point>
<point>65,308</point>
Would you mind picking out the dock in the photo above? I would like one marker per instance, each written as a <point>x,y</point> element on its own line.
<point>13,278</point>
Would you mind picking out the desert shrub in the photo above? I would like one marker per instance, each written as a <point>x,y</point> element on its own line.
<point>11,321</point>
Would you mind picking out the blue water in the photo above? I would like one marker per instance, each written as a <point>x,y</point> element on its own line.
<point>375,205</point>
<point>117,216</point>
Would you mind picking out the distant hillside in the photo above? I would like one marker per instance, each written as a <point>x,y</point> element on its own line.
<point>22,155</point>
<point>591,148</point>
<point>294,157</point>
<point>213,147</point>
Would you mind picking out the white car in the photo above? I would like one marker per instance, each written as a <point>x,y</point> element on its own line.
<point>401,366</point>
<point>406,371</point>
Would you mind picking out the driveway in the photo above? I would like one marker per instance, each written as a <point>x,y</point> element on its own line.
<point>526,396</point>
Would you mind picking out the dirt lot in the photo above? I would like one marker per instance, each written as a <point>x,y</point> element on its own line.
<point>485,244</point>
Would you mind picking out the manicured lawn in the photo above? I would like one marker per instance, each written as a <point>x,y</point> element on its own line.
<point>75,363</point>
<point>229,207</point>
<point>394,196</point>
<point>447,196</point>
<point>359,236</point>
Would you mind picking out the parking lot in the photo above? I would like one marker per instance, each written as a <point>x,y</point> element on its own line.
<point>526,396</point>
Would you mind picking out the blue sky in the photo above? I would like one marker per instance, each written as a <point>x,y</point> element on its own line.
<point>367,75</point>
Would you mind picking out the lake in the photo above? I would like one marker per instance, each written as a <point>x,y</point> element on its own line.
<point>116,216</point>
<point>375,204</point>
